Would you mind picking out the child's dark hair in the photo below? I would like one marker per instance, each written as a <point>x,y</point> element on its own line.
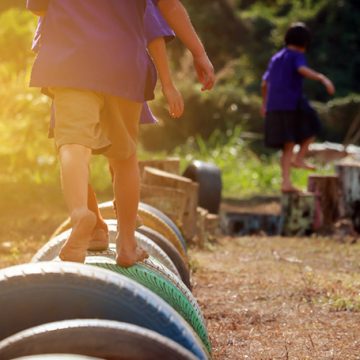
<point>298,34</point>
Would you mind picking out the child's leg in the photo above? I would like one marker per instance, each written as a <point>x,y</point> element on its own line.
<point>286,158</point>
<point>126,190</point>
<point>100,237</point>
<point>299,159</point>
<point>74,162</point>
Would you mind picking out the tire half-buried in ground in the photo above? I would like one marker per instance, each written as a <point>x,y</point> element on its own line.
<point>208,176</point>
<point>35,294</point>
<point>170,250</point>
<point>96,338</point>
<point>148,275</point>
<point>159,222</point>
<point>52,248</point>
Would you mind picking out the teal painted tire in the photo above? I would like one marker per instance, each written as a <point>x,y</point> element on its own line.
<point>35,294</point>
<point>147,275</point>
<point>170,250</point>
<point>109,340</point>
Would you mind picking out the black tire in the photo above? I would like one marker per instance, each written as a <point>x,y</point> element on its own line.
<point>109,340</point>
<point>165,285</point>
<point>208,176</point>
<point>170,250</point>
<point>35,294</point>
<point>52,248</point>
<point>166,219</point>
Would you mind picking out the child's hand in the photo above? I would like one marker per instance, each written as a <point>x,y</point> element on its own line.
<point>205,71</point>
<point>174,100</point>
<point>329,86</point>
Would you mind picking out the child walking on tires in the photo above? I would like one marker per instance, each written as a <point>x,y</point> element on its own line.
<point>289,118</point>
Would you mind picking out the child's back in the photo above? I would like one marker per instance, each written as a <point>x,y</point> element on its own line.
<point>284,81</point>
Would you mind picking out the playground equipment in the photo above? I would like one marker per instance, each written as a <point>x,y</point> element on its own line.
<point>101,310</point>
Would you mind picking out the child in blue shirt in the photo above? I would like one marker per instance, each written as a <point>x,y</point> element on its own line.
<point>93,59</point>
<point>289,118</point>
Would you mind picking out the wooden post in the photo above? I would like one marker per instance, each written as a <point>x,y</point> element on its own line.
<point>297,214</point>
<point>155,177</point>
<point>327,203</point>
<point>349,176</point>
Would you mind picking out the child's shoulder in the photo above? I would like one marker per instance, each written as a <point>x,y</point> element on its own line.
<point>286,54</point>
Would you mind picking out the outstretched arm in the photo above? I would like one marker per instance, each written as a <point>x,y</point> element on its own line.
<point>157,50</point>
<point>314,75</point>
<point>178,19</point>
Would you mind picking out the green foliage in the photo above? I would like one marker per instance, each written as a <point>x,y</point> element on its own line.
<point>214,124</point>
<point>16,31</point>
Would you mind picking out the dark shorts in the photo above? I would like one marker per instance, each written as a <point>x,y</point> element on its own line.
<point>296,126</point>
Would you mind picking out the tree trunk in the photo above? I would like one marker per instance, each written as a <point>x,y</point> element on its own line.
<point>327,203</point>
<point>297,214</point>
<point>349,176</point>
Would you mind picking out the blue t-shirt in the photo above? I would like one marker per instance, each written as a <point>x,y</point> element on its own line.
<point>97,45</point>
<point>285,83</point>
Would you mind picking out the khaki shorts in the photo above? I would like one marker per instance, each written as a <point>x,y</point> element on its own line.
<point>106,124</point>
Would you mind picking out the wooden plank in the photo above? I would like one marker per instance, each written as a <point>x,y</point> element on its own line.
<point>171,165</point>
<point>156,177</point>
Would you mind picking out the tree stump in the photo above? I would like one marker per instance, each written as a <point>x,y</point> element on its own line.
<point>171,165</point>
<point>297,214</point>
<point>349,177</point>
<point>327,203</point>
<point>171,202</point>
<point>155,177</point>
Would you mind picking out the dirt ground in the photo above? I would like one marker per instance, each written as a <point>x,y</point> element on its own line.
<point>263,297</point>
<point>280,298</point>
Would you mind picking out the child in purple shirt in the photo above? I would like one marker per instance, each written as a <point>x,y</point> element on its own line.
<point>93,56</point>
<point>289,118</point>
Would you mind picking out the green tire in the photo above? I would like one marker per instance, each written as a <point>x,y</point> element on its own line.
<point>160,285</point>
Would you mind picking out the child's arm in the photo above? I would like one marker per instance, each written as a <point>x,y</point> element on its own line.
<point>157,50</point>
<point>178,19</point>
<point>314,75</point>
<point>264,88</point>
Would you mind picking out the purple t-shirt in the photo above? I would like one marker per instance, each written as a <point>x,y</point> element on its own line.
<point>97,45</point>
<point>285,83</point>
<point>155,26</point>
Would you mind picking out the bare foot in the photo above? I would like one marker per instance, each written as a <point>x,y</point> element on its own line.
<point>76,245</point>
<point>129,258</point>
<point>303,165</point>
<point>99,240</point>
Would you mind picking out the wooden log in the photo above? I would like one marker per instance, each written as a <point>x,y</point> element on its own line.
<point>327,203</point>
<point>171,165</point>
<point>349,177</point>
<point>297,214</point>
<point>170,201</point>
<point>155,177</point>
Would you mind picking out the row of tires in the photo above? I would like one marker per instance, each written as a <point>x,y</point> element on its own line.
<point>101,310</point>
